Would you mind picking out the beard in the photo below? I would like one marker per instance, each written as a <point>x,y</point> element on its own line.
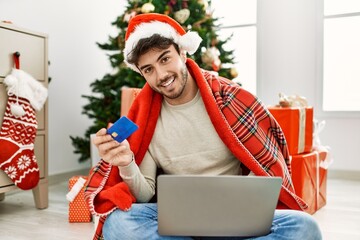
<point>182,81</point>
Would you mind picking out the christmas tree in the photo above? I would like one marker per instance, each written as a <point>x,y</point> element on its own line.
<point>194,15</point>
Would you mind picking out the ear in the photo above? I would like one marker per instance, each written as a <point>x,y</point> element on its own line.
<point>183,55</point>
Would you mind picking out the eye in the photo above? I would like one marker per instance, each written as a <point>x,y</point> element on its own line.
<point>147,70</point>
<point>165,59</point>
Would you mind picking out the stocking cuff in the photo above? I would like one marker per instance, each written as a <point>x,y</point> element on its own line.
<point>22,84</point>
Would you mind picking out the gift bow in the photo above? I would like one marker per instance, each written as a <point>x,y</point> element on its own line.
<point>318,126</point>
<point>292,101</point>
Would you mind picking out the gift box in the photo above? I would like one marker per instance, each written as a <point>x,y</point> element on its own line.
<point>128,95</point>
<point>78,208</point>
<point>297,125</point>
<point>309,176</point>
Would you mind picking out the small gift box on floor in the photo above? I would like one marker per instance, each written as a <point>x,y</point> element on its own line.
<point>78,208</point>
<point>309,176</point>
<point>296,120</point>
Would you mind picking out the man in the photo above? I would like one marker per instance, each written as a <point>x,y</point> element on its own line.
<point>190,122</point>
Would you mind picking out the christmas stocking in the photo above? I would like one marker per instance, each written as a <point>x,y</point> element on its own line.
<point>18,131</point>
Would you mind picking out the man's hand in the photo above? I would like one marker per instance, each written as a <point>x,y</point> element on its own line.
<point>111,151</point>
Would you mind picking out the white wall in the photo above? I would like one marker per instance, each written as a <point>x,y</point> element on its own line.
<point>73,28</point>
<point>288,62</point>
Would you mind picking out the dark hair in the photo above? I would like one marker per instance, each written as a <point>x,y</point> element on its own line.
<point>146,44</point>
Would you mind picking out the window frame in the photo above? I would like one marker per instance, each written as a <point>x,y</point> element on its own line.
<point>319,85</point>
<point>242,26</point>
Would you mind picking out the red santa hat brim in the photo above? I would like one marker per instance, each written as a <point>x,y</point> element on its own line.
<point>145,25</point>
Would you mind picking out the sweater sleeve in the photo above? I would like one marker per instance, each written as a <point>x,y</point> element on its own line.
<point>140,179</point>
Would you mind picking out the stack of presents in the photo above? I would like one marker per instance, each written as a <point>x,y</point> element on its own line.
<point>309,160</point>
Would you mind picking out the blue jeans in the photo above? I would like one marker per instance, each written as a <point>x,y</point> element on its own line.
<point>141,223</point>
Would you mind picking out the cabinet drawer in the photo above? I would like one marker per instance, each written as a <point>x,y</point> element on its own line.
<point>40,115</point>
<point>32,53</point>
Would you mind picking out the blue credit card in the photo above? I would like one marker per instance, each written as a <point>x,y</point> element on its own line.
<point>122,129</point>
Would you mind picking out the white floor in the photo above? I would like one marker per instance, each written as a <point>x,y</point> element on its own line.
<point>19,219</point>
<point>340,218</point>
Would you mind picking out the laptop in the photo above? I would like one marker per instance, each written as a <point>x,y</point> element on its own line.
<point>190,205</point>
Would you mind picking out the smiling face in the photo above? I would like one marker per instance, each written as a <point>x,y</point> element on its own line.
<point>166,73</point>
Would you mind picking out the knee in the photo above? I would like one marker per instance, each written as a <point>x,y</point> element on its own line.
<point>291,224</point>
<point>111,228</point>
<point>308,226</point>
<point>139,221</point>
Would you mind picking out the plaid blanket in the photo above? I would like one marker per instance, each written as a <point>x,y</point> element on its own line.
<point>242,122</point>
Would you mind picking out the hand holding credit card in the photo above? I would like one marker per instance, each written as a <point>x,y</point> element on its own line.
<point>122,129</point>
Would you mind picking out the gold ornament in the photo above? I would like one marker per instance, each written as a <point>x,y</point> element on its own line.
<point>204,3</point>
<point>182,15</point>
<point>147,7</point>
<point>233,72</point>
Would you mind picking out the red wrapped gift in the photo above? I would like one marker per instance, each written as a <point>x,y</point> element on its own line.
<point>128,95</point>
<point>309,178</point>
<point>321,200</point>
<point>297,125</point>
<point>78,208</point>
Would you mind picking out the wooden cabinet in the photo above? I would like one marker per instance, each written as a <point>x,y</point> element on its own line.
<point>33,49</point>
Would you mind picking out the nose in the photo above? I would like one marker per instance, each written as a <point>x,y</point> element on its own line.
<point>161,73</point>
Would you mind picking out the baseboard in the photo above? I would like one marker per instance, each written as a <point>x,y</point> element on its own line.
<point>61,177</point>
<point>344,174</point>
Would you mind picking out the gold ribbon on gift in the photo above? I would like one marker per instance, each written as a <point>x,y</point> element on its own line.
<point>301,103</point>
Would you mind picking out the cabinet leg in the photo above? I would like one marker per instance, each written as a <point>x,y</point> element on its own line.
<point>41,194</point>
<point>2,196</point>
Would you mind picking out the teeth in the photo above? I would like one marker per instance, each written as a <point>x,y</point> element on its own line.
<point>165,84</point>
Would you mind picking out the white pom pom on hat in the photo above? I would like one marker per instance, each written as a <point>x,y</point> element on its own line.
<point>146,25</point>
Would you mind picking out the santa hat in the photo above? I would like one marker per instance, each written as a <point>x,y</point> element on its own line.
<point>146,25</point>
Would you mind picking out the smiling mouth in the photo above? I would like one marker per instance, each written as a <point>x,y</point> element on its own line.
<point>168,82</point>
